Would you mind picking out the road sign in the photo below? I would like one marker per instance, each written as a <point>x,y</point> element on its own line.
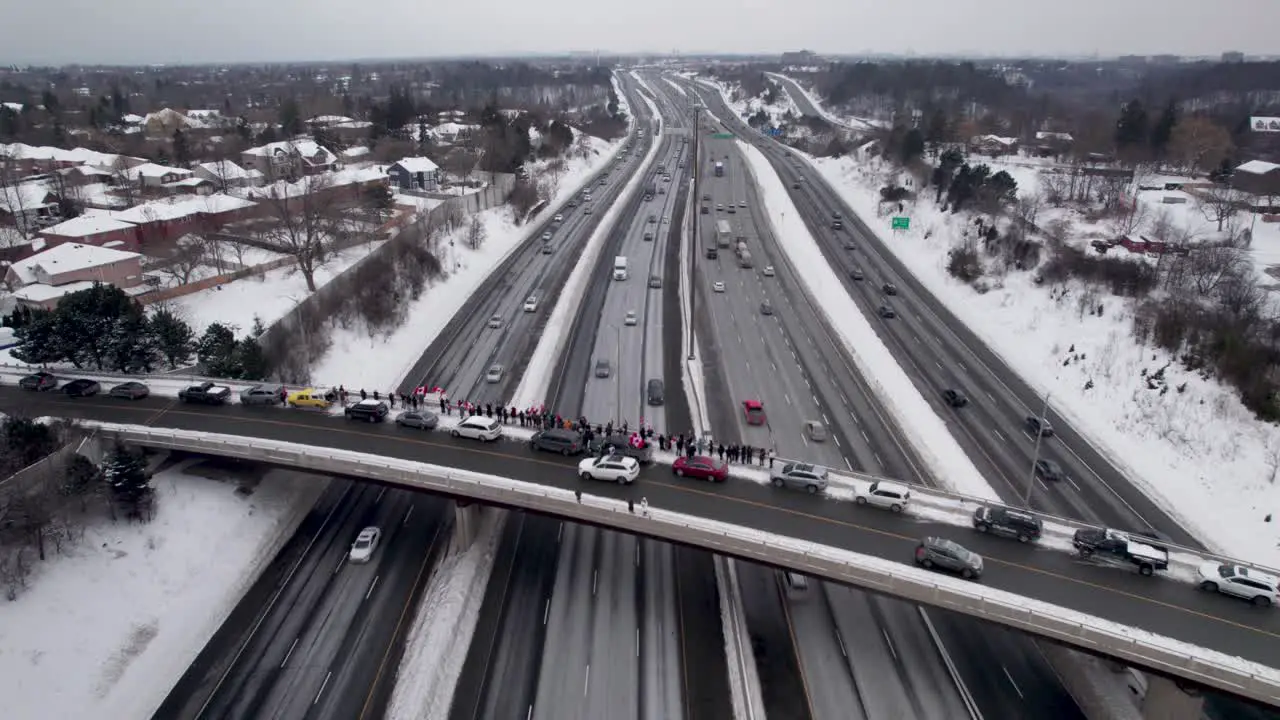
<point>901,223</point>
<point>723,136</point>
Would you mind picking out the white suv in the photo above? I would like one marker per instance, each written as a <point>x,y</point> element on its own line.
<point>883,494</point>
<point>366,542</point>
<point>478,427</point>
<point>1256,587</point>
<point>531,304</point>
<point>614,468</point>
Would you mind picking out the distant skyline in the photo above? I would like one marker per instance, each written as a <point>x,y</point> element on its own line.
<point>137,32</point>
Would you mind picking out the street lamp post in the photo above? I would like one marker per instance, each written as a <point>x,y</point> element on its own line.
<point>1035,457</point>
<point>693,218</point>
<point>617,381</point>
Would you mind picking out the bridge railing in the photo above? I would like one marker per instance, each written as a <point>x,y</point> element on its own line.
<point>1140,648</point>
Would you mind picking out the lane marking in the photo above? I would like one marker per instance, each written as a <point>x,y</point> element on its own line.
<point>889,643</point>
<point>1011,682</point>
<point>290,653</point>
<point>323,685</point>
<point>372,585</point>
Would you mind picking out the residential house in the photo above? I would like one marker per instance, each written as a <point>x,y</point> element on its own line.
<point>41,280</point>
<point>28,206</point>
<point>163,122</point>
<point>993,145</point>
<point>151,175</point>
<point>289,159</point>
<point>1260,179</point>
<point>226,174</point>
<point>192,186</point>
<point>356,153</point>
<point>414,173</point>
<point>93,228</point>
<point>1052,144</point>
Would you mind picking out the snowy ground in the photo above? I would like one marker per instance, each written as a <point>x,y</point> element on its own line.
<point>853,123</point>
<point>108,627</point>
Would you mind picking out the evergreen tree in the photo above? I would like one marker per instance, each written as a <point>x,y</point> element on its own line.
<point>125,472</point>
<point>250,359</point>
<point>1163,129</point>
<point>937,130</point>
<point>119,103</point>
<point>243,130</point>
<point>82,476</point>
<point>134,346</point>
<point>181,152</point>
<point>174,339</point>
<point>290,117</point>
<point>912,146</point>
<point>38,340</point>
<point>217,351</point>
<point>950,161</point>
<point>85,320</point>
<point>259,328</point>
<point>1133,127</point>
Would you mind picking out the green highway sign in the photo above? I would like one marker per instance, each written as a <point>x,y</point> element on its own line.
<point>901,223</point>
<point>723,136</point>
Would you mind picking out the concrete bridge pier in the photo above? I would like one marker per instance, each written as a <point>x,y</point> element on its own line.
<point>1165,700</point>
<point>466,523</point>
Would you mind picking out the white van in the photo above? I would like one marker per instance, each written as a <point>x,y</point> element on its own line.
<point>478,427</point>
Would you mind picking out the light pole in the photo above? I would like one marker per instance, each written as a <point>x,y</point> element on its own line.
<point>617,381</point>
<point>693,218</point>
<point>1035,457</point>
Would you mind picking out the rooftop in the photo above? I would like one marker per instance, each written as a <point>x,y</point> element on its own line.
<point>67,257</point>
<point>86,225</point>
<point>153,170</point>
<point>418,165</point>
<point>39,292</point>
<point>224,169</point>
<point>1258,167</point>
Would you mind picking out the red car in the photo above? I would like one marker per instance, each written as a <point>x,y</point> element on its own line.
<point>755,412</point>
<point>701,467</point>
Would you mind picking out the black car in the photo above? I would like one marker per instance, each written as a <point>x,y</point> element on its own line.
<point>39,381</point>
<point>369,409</point>
<point>1038,426</point>
<point>565,442</point>
<point>855,274</point>
<point>1050,470</point>
<point>81,387</point>
<point>131,390</point>
<point>890,289</point>
<point>954,398</point>
<point>998,520</point>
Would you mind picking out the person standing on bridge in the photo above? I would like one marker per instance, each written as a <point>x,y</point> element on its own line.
<point>644,506</point>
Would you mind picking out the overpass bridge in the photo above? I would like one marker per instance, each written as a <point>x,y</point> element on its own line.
<point>1164,625</point>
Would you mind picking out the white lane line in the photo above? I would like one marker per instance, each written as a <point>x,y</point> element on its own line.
<point>289,654</point>
<point>848,464</point>
<point>595,575</point>
<point>1000,435</point>
<point>825,419</point>
<point>339,567</point>
<point>889,642</point>
<point>586,682</point>
<point>326,683</point>
<point>962,367</point>
<point>378,499</point>
<point>637,555</point>
<point>546,611</point>
<point>840,640</point>
<point>407,513</point>
<point>787,398</point>
<point>637,642</point>
<point>1011,682</point>
<point>372,585</point>
<point>879,462</point>
<point>1073,484</point>
<point>864,436</point>
<point>559,532</point>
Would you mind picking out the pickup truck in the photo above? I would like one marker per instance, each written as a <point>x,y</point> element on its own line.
<point>1121,548</point>
<point>206,393</point>
<point>622,446</point>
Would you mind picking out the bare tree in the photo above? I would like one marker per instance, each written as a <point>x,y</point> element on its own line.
<point>1056,187</point>
<point>582,146</point>
<point>187,258</point>
<point>124,184</point>
<point>1209,267</point>
<point>1198,144</point>
<point>305,220</point>
<point>1219,203</point>
<point>1128,219</point>
<point>13,200</point>
<point>476,233</point>
<point>1027,209</point>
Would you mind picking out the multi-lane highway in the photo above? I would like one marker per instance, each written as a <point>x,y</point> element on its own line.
<point>788,360</point>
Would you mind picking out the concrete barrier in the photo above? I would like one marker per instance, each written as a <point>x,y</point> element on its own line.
<point>1139,648</point>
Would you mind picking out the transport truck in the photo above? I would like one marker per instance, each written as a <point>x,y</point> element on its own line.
<point>620,268</point>
<point>722,233</point>
<point>1121,548</point>
<point>744,259</point>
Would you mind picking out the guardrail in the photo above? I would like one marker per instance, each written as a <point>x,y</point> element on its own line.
<point>1140,648</point>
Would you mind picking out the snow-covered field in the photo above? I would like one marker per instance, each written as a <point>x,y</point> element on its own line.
<point>108,627</point>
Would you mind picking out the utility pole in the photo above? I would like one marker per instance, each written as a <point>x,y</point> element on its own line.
<point>693,218</point>
<point>1035,457</point>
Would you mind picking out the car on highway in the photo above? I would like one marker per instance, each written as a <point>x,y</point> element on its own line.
<point>546,236</point>
<point>478,427</point>
<point>81,387</point>
<point>700,467</point>
<point>364,546</point>
<point>419,419</point>
<point>495,321</point>
<point>856,274</point>
<point>1050,470</point>
<point>547,249</point>
<point>705,210</point>
<point>310,398</point>
<point>131,390</point>
<point>558,218</point>
<point>602,368</point>
<point>648,236</point>
<point>630,318</point>
<point>531,304</point>
<point>494,373</point>
<point>731,209</point>
<point>611,468</point>
<point>1038,426</point>
<point>39,381</point>
<point>848,245</point>
<point>586,209</point>
<point>943,554</point>
<point>558,440</point>
<point>1257,587</point>
<point>717,287</point>
<point>1010,522</point>
<point>653,219</point>
<point>800,476</point>
<point>795,185</point>
<point>883,494</point>
<point>815,430</point>
<point>655,391</point>
<point>754,412</point>
<point>886,312</point>
<point>706,197</point>
<point>655,281</point>
<point>719,207</point>
<point>767,271</point>
<point>263,395</point>
<point>889,289</point>
<point>766,308</point>
<point>954,398</point>
<point>369,410</point>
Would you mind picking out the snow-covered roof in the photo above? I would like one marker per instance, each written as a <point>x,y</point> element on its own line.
<point>24,197</point>
<point>346,176</point>
<point>153,170</point>
<point>22,151</point>
<point>355,152</point>
<point>168,116</point>
<point>330,119</point>
<point>190,182</point>
<point>224,169</point>
<point>87,224</point>
<point>453,128</point>
<point>39,292</point>
<point>995,139</point>
<point>16,107</point>
<point>1059,136</point>
<point>178,208</point>
<point>305,147</point>
<point>218,203</point>
<point>132,119</point>
<point>1258,167</point>
<point>418,165</point>
<point>215,115</point>
<point>67,257</point>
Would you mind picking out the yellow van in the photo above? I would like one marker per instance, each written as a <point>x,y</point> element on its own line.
<point>312,398</point>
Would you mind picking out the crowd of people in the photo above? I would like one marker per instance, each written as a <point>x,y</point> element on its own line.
<point>540,417</point>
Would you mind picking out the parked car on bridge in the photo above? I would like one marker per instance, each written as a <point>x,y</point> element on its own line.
<point>754,411</point>
<point>310,398</point>
<point>883,494</point>
<point>366,542</point>
<point>420,419</point>
<point>700,467</point>
<point>1257,587</point>
<point>368,409</point>
<point>81,387</point>
<point>612,468</point>
<point>206,393</point>
<point>620,443</point>
<point>478,427</point>
<point>131,390</point>
<point>1010,522</point>
<point>263,395</point>
<point>565,442</point>
<point>800,476</point>
<point>39,381</point>
<point>948,555</point>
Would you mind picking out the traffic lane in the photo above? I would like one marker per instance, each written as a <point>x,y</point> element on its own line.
<point>1162,606</point>
<point>823,657</point>
<point>931,688</point>
<point>880,687</point>
<point>563,682</point>
<point>783,689</point>
<point>704,665</point>
<point>614,628</point>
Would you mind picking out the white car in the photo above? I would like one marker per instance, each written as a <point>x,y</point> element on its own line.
<point>742,203</point>
<point>768,271</point>
<point>531,304</point>
<point>495,321</point>
<point>614,468</point>
<point>718,287</point>
<point>478,427</point>
<point>366,542</point>
<point>1257,587</point>
<point>883,494</point>
<point>630,319</point>
<point>546,236</point>
<point>558,218</point>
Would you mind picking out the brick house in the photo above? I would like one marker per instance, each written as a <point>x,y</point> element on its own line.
<point>41,280</point>
<point>93,229</point>
<point>225,174</point>
<point>1260,179</point>
<point>288,159</point>
<point>150,175</point>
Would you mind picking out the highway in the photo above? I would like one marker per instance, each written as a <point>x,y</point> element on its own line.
<point>939,352</point>
<point>359,650</point>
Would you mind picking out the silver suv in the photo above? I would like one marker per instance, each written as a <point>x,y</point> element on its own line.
<point>947,555</point>
<point>799,476</point>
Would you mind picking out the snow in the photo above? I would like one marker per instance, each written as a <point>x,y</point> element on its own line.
<point>1200,454</point>
<point>928,434</point>
<point>152,170</point>
<point>67,258</point>
<point>678,87</point>
<point>109,626</point>
<point>858,124</point>
<point>87,224</point>
<point>417,165</point>
<point>437,645</point>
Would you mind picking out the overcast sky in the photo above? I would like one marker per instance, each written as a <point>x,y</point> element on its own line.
<point>200,31</point>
